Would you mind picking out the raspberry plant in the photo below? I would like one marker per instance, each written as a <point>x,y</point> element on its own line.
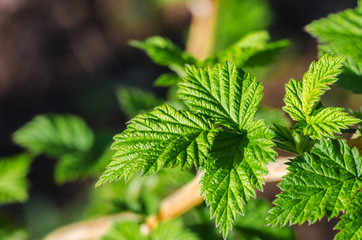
<point>217,132</point>
<point>212,125</point>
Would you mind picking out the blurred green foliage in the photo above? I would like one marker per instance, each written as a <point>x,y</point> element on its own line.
<point>13,178</point>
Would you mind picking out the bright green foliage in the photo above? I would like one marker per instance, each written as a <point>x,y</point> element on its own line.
<point>235,19</point>
<point>172,230</point>
<point>235,168</point>
<point>162,51</point>
<point>341,33</point>
<point>19,234</point>
<point>319,183</point>
<point>302,98</point>
<point>251,50</point>
<point>78,166</point>
<point>66,138</point>
<point>233,159</point>
<point>227,94</point>
<point>13,183</point>
<point>167,80</point>
<point>163,138</point>
<point>134,101</point>
<point>55,135</point>
<point>351,223</point>
<point>316,80</point>
<point>325,122</point>
<point>236,164</point>
<point>127,230</point>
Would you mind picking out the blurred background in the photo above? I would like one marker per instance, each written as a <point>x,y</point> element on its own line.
<point>72,56</point>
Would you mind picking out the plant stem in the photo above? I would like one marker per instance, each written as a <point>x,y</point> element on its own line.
<point>189,195</point>
<point>201,35</point>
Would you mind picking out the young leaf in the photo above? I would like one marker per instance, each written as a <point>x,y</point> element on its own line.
<point>234,169</point>
<point>341,33</point>
<point>134,101</point>
<point>316,80</point>
<point>78,166</point>
<point>225,93</point>
<point>124,230</point>
<point>320,182</point>
<point>163,138</point>
<point>167,80</point>
<point>301,100</point>
<point>172,230</point>
<point>55,135</point>
<point>162,51</point>
<point>251,50</point>
<point>235,166</point>
<point>8,233</point>
<point>13,183</point>
<point>351,223</point>
<point>235,19</point>
<point>325,122</point>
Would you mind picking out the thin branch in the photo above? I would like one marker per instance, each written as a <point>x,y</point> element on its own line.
<point>201,36</point>
<point>173,206</point>
<point>90,229</point>
<point>189,195</point>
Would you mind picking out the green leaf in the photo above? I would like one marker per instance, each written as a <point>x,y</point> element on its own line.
<point>316,80</point>
<point>55,135</point>
<point>235,166</point>
<point>325,122</point>
<point>319,183</point>
<point>162,51</point>
<point>13,182</point>
<point>124,230</point>
<point>235,19</point>
<point>172,230</point>
<point>251,226</point>
<point>351,223</point>
<point>225,93</point>
<point>174,100</point>
<point>301,100</point>
<point>293,100</point>
<point>134,101</point>
<point>79,166</point>
<point>13,234</point>
<point>234,169</point>
<point>341,33</point>
<point>163,138</point>
<point>167,80</point>
<point>251,50</point>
